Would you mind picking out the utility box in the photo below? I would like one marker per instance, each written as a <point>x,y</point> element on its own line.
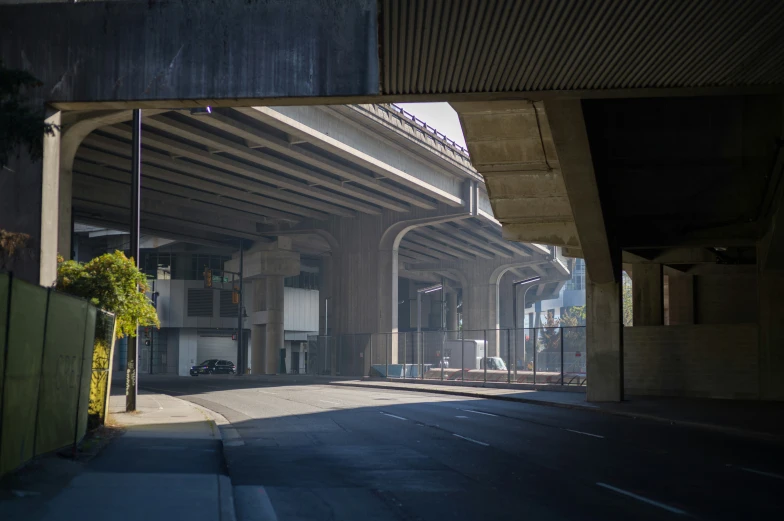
<point>470,351</point>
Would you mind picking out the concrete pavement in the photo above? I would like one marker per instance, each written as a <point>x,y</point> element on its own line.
<point>167,464</point>
<point>756,419</point>
<point>308,451</point>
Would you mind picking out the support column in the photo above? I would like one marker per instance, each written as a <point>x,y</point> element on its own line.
<point>604,338</point>
<point>258,332</point>
<point>451,314</point>
<point>681,300</point>
<point>648,295</point>
<point>274,342</point>
<point>604,329</point>
<point>267,264</point>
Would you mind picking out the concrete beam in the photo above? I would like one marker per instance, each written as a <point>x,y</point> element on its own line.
<point>254,138</point>
<point>274,48</point>
<point>218,143</point>
<point>456,241</point>
<point>166,161</point>
<point>463,236</point>
<point>119,220</point>
<point>423,239</point>
<point>182,150</point>
<point>181,215</point>
<point>570,138</point>
<point>291,126</point>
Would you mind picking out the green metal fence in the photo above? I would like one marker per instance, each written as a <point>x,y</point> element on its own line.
<point>46,348</point>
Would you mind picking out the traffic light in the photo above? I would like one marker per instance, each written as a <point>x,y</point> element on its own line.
<point>235,295</point>
<point>207,277</point>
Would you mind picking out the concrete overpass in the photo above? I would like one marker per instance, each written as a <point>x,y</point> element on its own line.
<point>374,195</point>
<point>646,132</point>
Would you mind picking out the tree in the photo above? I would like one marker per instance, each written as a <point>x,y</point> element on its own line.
<point>114,283</point>
<point>21,123</point>
<point>12,247</point>
<point>628,302</point>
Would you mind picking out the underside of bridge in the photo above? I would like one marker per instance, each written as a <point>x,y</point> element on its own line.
<point>645,135</point>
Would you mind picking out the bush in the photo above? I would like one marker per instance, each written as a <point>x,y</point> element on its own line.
<point>114,283</point>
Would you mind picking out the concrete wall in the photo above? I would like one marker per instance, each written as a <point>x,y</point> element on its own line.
<point>726,299</point>
<point>716,361</point>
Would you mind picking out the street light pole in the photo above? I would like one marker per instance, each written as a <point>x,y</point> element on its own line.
<point>514,311</point>
<point>131,380</point>
<point>240,350</point>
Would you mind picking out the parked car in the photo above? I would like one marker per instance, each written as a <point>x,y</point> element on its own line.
<point>214,366</point>
<point>494,363</point>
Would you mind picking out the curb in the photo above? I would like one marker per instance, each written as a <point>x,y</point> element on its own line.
<point>223,430</point>
<point>731,431</point>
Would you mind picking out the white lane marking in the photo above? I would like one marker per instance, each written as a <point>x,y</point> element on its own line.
<point>761,473</point>
<point>393,416</point>
<point>585,433</point>
<point>463,417</point>
<point>266,392</point>
<point>480,412</point>
<point>472,440</point>
<point>327,401</point>
<point>668,508</point>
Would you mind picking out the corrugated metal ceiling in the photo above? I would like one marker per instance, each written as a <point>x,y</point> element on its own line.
<point>454,46</point>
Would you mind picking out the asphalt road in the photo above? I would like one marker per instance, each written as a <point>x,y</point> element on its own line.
<point>308,450</point>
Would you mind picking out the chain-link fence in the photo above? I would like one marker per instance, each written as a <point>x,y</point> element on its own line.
<point>544,355</point>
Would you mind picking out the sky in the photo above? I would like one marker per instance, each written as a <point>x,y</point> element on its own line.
<point>441,116</point>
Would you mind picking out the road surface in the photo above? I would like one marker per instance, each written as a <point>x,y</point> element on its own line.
<point>308,450</point>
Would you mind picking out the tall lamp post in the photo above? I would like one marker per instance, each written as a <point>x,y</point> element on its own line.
<point>514,312</point>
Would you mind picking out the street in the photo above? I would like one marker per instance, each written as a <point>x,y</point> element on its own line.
<point>313,451</point>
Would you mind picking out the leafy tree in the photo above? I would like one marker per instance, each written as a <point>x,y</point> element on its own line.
<point>12,247</point>
<point>628,311</point>
<point>21,123</point>
<point>114,283</point>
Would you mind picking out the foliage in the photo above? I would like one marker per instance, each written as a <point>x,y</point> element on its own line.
<point>574,334</point>
<point>114,283</point>
<point>11,247</point>
<point>628,301</point>
<point>21,123</point>
<point>99,380</point>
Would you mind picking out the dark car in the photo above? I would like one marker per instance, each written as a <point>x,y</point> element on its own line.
<point>214,366</point>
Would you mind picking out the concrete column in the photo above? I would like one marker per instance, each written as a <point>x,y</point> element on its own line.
<point>681,303</point>
<point>257,331</point>
<point>604,329</point>
<point>451,313</point>
<point>267,264</point>
<point>50,204</point>
<point>274,330</point>
<point>648,294</point>
<point>771,335</point>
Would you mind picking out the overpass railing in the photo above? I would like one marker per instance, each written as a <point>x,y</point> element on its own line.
<point>543,355</point>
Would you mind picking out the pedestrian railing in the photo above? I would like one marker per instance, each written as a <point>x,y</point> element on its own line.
<point>544,355</point>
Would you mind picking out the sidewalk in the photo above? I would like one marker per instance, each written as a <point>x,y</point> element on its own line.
<point>747,418</point>
<point>168,464</point>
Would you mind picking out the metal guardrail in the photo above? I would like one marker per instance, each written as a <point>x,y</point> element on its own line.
<point>545,355</point>
<point>421,125</point>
